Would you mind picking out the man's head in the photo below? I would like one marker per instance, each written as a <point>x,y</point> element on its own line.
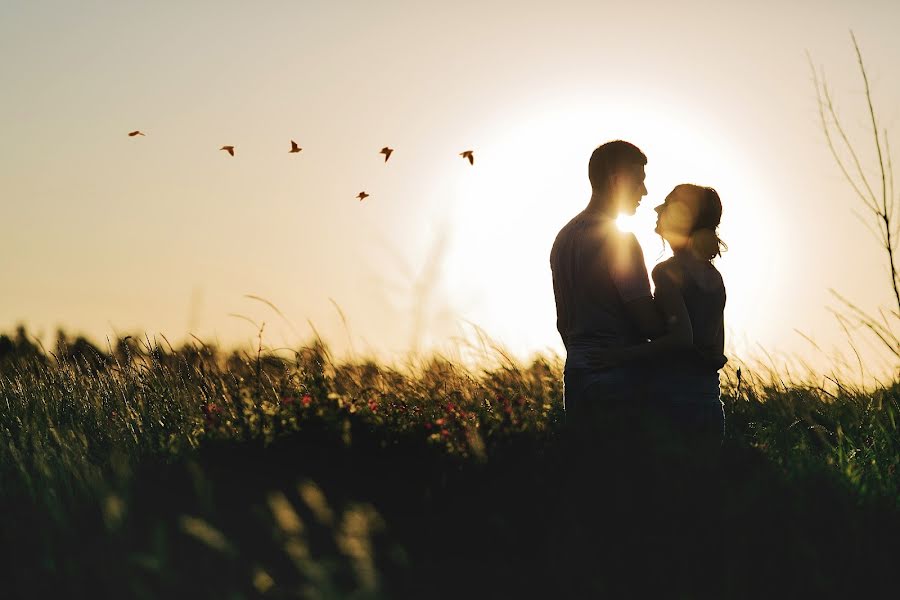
<point>616,171</point>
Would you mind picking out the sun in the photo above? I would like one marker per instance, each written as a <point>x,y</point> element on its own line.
<point>531,178</point>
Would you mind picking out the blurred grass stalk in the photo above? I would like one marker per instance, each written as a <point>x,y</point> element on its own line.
<point>879,202</point>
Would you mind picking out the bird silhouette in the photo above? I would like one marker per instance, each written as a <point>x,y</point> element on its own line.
<point>229,149</point>
<point>134,133</point>
<point>362,196</point>
<point>294,147</point>
<point>387,153</point>
<point>468,154</point>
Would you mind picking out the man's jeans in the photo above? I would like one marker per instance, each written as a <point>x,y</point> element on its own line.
<point>603,406</point>
<point>588,386</point>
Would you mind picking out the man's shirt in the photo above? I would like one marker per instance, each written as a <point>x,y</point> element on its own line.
<point>596,269</point>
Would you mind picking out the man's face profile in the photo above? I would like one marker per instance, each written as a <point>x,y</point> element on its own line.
<point>628,188</point>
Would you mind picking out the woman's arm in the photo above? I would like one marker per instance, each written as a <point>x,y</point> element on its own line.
<point>679,334</point>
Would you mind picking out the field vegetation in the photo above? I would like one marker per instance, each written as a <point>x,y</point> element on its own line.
<point>147,471</point>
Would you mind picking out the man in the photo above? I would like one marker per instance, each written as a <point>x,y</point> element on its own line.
<point>601,285</point>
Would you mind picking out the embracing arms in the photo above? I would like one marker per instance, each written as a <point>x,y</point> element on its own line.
<point>629,275</point>
<point>646,315</point>
<point>678,333</point>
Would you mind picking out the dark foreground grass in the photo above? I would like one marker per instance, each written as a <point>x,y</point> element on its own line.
<point>145,473</point>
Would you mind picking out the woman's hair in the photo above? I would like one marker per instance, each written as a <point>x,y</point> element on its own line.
<point>706,208</point>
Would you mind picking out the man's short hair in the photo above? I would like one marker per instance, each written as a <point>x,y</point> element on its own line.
<point>611,157</point>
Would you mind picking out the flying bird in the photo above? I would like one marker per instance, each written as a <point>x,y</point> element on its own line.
<point>362,196</point>
<point>229,149</point>
<point>134,133</point>
<point>387,153</point>
<point>294,147</point>
<point>468,154</point>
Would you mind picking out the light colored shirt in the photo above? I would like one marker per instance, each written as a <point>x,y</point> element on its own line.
<point>596,269</point>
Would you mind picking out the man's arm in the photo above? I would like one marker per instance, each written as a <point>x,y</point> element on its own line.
<point>629,273</point>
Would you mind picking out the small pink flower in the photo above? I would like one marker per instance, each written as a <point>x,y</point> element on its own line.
<point>306,400</point>
<point>211,412</point>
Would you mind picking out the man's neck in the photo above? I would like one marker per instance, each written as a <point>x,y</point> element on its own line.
<point>601,205</point>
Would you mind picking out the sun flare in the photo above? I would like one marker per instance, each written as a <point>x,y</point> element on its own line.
<point>532,179</point>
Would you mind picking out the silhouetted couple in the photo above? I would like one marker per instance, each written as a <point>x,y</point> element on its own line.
<point>633,358</point>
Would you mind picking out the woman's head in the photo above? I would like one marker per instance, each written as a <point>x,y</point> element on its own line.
<point>688,220</point>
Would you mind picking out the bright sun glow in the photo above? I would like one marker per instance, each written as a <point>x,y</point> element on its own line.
<point>532,179</point>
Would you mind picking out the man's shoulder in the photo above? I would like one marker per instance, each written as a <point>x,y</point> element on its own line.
<point>622,244</point>
<point>576,222</point>
<point>583,228</point>
<point>625,238</point>
<point>565,229</point>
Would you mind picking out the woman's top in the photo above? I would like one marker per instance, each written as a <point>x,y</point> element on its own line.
<point>700,285</point>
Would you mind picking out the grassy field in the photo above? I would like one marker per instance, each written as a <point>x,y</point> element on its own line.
<point>151,472</point>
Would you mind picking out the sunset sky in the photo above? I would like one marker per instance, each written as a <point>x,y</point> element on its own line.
<point>107,234</point>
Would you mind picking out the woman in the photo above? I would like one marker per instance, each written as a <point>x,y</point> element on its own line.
<point>690,294</point>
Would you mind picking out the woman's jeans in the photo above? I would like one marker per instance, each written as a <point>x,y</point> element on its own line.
<point>692,404</point>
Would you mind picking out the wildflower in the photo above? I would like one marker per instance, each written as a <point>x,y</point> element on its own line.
<point>288,400</point>
<point>445,433</point>
<point>211,412</point>
<point>373,405</point>
<point>210,408</point>
<point>505,402</point>
<point>440,421</point>
<point>428,426</point>
<point>306,400</point>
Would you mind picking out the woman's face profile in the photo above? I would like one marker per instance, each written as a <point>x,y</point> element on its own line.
<point>675,218</point>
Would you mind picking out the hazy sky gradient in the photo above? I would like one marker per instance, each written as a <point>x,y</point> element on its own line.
<point>165,233</point>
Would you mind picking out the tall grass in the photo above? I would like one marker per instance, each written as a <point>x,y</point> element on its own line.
<point>144,470</point>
